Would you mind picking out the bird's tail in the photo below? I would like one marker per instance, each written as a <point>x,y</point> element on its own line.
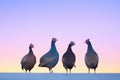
<point>75,66</point>
<point>22,67</point>
<point>39,65</point>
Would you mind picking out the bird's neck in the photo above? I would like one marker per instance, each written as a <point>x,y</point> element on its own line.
<point>90,48</point>
<point>69,48</point>
<point>30,51</point>
<point>53,47</point>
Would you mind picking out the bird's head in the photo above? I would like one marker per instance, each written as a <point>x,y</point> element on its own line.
<point>31,45</point>
<point>72,43</point>
<point>87,41</point>
<point>54,40</point>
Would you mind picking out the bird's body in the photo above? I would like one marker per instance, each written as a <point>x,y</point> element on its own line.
<point>91,57</point>
<point>69,58</point>
<point>29,60</point>
<point>50,59</point>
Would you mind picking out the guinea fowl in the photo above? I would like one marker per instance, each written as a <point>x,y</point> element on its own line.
<point>91,57</point>
<point>50,59</point>
<point>69,58</point>
<point>29,60</point>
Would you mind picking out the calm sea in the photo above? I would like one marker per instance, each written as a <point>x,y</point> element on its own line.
<point>59,76</point>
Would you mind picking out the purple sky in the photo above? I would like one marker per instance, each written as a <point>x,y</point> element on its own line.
<point>27,21</point>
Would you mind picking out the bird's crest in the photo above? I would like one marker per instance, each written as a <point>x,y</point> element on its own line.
<point>72,43</point>
<point>31,45</point>
<point>54,39</point>
<point>87,41</point>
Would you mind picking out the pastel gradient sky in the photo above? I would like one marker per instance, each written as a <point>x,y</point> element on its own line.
<point>37,21</point>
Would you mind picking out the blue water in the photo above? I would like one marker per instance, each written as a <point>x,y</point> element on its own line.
<point>58,76</point>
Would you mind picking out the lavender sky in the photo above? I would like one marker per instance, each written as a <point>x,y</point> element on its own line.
<point>37,21</point>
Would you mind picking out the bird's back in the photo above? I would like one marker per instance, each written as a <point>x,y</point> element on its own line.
<point>49,60</point>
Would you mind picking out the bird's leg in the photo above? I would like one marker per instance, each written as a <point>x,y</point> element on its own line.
<point>50,70</point>
<point>66,71</point>
<point>70,70</point>
<point>94,70</point>
<point>88,70</point>
<point>29,71</point>
<point>26,71</point>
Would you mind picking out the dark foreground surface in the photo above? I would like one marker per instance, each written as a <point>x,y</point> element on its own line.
<point>59,76</point>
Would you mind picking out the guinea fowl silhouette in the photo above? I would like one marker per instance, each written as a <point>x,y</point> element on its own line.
<point>69,58</point>
<point>29,60</point>
<point>91,57</point>
<point>50,59</point>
